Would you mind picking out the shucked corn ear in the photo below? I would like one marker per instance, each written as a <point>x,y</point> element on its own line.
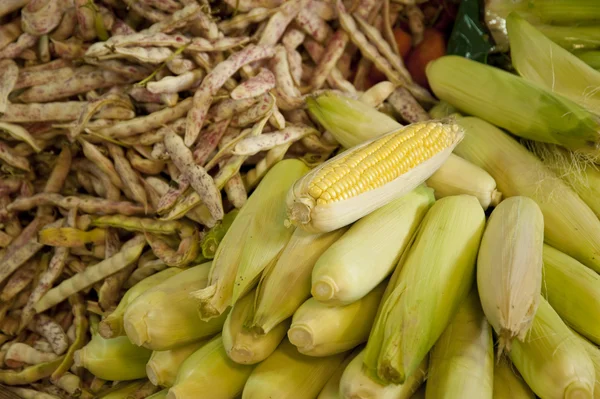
<point>162,367</point>
<point>569,224</point>
<point>573,290</point>
<point>244,345</point>
<point>368,176</point>
<point>285,284</point>
<point>166,316</point>
<point>458,176</point>
<point>594,353</point>
<point>209,373</point>
<point>435,277</point>
<point>551,360</point>
<point>319,329</point>
<point>513,103</point>
<point>287,374</point>
<point>531,54</point>
<point>509,267</point>
<point>377,240</point>
<point>350,121</point>
<point>115,359</point>
<point>507,384</point>
<point>255,237</point>
<point>353,122</point>
<point>112,325</point>
<point>461,364</point>
<point>356,384</point>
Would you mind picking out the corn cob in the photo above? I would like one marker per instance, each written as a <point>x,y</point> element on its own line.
<point>552,362</point>
<point>321,330</point>
<point>531,53</point>
<point>162,367</point>
<point>331,390</point>
<point>434,279</point>
<point>287,374</point>
<point>115,359</point>
<point>368,176</point>
<point>509,268</point>
<point>457,176</point>
<point>461,364</point>
<point>244,346</point>
<point>573,290</point>
<point>285,284</point>
<point>513,103</point>
<point>255,237</point>
<point>112,325</point>
<point>569,224</point>
<point>594,354</point>
<point>209,373</point>
<point>352,122</point>
<point>166,316</point>
<point>507,384</point>
<point>355,384</point>
<point>340,276</point>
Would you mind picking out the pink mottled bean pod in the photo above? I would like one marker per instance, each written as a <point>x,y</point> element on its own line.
<point>40,17</point>
<point>334,50</point>
<point>214,81</point>
<point>255,86</point>
<point>249,5</point>
<point>175,84</point>
<point>9,32</point>
<point>13,50</point>
<point>9,73</point>
<point>312,24</point>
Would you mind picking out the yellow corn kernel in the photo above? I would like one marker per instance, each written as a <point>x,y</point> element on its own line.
<point>368,176</point>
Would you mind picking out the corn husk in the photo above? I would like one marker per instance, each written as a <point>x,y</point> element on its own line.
<point>166,316</point>
<point>591,58</point>
<point>532,52</point>
<point>209,373</point>
<point>573,290</point>
<point>569,224</point>
<point>244,345</point>
<point>551,360</point>
<point>320,329</point>
<point>356,384</point>
<point>124,390</point>
<point>159,395</point>
<point>509,268</point>
<point>114,359</point>
<point>582,176</point>
<point>285,284</point>
<point>434,279</point>
<point>458,176</point>
<point>594,353</point>
<point>513,103</point>
<point>112,325</point>
<point>509,385</point>
<point>331,390</point>
<point>570,13</point>
<point>287,374</point>
<point>162,367</point>
<point>255,237</point>
<point>461,364</point>
<point>350,121</point>
<point>340,276</point>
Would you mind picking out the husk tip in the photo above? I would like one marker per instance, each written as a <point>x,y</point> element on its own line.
<point>578,390</point>
<point>324,289</point>
<point>300,336</point>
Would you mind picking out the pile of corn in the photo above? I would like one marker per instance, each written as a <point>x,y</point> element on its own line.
<point>445,258</point>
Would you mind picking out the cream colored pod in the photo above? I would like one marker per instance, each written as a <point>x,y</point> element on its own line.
<point>368,176</point>
<point>509,268</point>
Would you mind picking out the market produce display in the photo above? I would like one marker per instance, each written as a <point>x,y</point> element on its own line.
<point>301,199</point>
